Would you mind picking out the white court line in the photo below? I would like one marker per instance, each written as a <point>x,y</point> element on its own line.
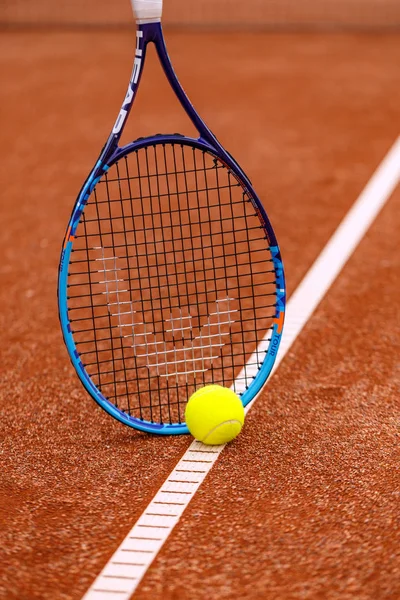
<point>124,571</point>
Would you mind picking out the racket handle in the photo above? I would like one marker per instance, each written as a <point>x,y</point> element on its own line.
<point>147,11</point>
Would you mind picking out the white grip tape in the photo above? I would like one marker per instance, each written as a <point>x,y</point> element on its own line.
<point>147,10</point>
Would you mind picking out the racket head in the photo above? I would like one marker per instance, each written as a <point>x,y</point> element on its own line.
<point>170,278</point>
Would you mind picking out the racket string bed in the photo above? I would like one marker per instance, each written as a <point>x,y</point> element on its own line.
<point>170,281</point>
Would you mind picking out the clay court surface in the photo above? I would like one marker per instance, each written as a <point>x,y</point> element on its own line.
<point>305,503</point>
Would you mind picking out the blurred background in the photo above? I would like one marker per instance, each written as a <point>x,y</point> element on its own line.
<point>289,14</point>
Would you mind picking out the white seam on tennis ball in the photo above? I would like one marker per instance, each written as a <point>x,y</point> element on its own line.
<point>232,421</point>
<point>128,565</point>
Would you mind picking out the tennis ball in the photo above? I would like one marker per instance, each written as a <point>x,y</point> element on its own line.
<point>214,415</point>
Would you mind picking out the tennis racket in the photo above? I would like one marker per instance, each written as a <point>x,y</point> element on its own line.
<point>170,275</point>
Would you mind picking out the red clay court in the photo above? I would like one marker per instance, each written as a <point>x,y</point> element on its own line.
<point>304,504</point>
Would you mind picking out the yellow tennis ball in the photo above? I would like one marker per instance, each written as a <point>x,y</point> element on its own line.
<point>214,415</point>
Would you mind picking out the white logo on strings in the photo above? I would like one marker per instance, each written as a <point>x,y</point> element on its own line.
<point>167,358</point>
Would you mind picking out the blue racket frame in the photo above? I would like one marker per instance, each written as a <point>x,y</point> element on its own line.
<point>111,153</point>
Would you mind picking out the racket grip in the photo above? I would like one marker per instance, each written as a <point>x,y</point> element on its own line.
<point>147,10</point>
